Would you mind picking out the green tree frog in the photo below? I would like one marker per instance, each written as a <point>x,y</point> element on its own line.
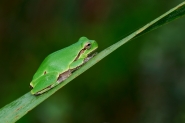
<point>59,65</point>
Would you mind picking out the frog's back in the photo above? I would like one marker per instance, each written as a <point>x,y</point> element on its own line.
<point>58,61</point>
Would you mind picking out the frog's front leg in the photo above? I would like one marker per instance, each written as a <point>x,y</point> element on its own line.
<point>89,57</point>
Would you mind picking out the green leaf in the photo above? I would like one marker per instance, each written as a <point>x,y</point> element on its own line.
<point>18,108</point>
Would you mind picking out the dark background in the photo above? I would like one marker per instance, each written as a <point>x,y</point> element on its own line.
<point>141,82</point>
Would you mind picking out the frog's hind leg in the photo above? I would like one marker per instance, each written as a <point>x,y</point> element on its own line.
<point>44,83</point>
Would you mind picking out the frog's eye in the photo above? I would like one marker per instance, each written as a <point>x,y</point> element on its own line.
<point>87,46</point>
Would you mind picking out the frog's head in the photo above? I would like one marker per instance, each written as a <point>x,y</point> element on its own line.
<point>88,47</point>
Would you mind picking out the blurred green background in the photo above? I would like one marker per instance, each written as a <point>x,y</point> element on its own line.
<point>141,82</point>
